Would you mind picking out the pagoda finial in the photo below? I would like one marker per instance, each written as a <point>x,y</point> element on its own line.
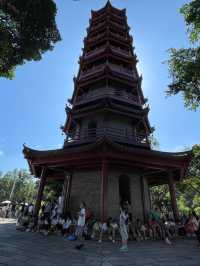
<point>108,4</point>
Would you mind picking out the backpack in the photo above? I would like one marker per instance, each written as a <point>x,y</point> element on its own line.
<point>88,214</point>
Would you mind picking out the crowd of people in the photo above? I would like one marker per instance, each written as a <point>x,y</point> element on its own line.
<point>9,210</point>
<point>84,226</point>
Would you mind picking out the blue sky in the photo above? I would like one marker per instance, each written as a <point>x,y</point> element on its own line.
<point>32,105</point>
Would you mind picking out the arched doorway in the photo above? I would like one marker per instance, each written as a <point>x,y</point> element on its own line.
<point>124,189</point>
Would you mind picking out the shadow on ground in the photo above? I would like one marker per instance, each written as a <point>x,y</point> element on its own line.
<point>32,249</point>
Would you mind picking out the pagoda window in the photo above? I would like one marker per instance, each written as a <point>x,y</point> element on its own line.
<point>92,127</point>
<point>124,189</point>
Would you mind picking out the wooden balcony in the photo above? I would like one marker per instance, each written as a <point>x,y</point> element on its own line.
<point>90,72</point>
<point>95,52</point>
<point>103,17</point>
<point>120,37</point>
<point>106,24</point>
<point>120,51</point>
<point>108,92</point>
<point>116,50</point>
<point>96,27</point>
<point>118,135</point>
<point>95,38</point>
<point>115,68</point>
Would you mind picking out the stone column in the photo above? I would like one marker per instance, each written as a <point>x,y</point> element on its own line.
<point>40,193</point>
<point>145,197</point>
<point>172,190</point>
<point>104,190</point>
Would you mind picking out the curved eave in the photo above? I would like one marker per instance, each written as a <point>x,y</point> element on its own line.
<point>31,154</point>
<point>110,53</point>
<point>104,147</point>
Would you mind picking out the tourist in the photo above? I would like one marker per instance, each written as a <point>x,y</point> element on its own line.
<point>13,209</point>
<point>132,229</point>
<point>67,224</point>
<point>196,220</point>
<point>156,224</point>
<point>191,225</point>
<point>47,209</point>
<point>123,224</point>
<point>96,229</point>
<point>31,225</point>
<point>60,223</point>
<point>113,229</point>
<point>40,224</point>
<point>180,226</point>
<point>30,209</point>
<point>197,232</point>
<point>81,224</point>
<point>54,222</point>
<point>104,229</point>
<point>170,226</point>
<point>169,230</point>
<point>140,230</point>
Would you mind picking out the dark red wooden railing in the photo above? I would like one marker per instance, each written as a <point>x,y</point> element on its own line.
<point>121,135</point>
<point>107,92</point>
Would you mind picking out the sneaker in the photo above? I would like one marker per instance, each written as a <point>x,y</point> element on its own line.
<point>113,241</point>
<point>167,241</point>
<point>124,248</point>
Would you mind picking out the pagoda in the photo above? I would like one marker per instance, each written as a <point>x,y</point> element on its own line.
<point>107,157</point>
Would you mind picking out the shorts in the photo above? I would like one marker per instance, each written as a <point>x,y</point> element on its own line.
<point>124,233</point>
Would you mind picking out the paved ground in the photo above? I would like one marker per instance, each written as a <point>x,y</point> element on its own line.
<point>33,249</point>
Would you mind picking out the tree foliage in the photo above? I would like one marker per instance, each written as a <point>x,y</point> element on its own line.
<point>23,184</point>
<point>27,30</point>
<point>53,189</point>
<point>154,143</point>
<point>184,64</point>
<point>188,191</point>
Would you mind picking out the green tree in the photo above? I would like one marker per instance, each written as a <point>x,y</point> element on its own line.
<point>160,197</point>
<point>188,191</point>
<point>53,189</point>
<point>22,184</point>
<point>154,143</point>
<point>27,30</point>
<point>184,64</point>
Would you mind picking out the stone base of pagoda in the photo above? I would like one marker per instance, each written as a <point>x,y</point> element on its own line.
<point>87,186</point>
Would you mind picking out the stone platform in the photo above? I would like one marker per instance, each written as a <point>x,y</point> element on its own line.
<point>33,249</point>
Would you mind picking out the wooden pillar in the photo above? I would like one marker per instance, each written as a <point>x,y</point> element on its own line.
<point>172,191</point>
<point>66,192</point>
<point>143,199</point>
<point>40,193</point>
<point>104,190</point>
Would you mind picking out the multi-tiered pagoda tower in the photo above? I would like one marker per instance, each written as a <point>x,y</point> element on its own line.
<point>106,157</point>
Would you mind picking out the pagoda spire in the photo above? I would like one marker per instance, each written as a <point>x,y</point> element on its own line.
<point>108,83</point>
<point>108,3</point>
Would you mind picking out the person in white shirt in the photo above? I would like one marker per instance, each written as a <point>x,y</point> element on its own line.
<point>30,209</point>
<point>81,224</point>
<point>123,225</point>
